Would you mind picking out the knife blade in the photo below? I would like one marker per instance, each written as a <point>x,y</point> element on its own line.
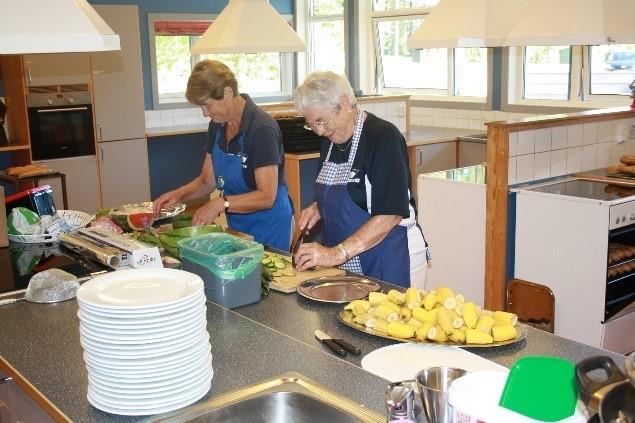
<point>340,346</point>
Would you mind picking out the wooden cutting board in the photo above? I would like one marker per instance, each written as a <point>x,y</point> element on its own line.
<point>289,284</point>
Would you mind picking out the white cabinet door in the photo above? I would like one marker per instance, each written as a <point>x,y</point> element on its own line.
<point>82,183</point>
<point>117,78</point>
<point>125,175</point>
<point>56,69</point>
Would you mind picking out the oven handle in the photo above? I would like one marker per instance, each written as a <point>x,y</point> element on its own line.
<point>69,109</point>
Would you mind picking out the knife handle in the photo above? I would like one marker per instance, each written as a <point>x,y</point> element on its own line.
<point>334,346</point>
<point>348,347</point>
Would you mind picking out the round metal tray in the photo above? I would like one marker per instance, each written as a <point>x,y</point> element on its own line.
<point>346,317</point>
<point>337,289</point>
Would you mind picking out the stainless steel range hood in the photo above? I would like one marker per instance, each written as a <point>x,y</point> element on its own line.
<point>53,26</point>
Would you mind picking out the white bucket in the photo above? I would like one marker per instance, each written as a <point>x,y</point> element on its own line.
<point>474,399</point>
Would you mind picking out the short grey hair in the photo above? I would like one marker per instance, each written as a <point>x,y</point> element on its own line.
<point>323,88</point>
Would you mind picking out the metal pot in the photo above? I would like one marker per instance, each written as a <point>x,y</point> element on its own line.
<point>613,398</point>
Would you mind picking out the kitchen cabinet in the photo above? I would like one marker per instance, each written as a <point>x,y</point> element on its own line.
<point>117,78</point>
<point>435,157</point>
<point>471,153</point>
<point>82,182</point>
<point>56,69</point>
<point>124,172</point>
<point>16,405</point>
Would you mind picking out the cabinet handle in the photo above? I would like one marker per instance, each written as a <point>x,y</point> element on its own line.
<point>100,133</point>
<point>5,379</point>
<point>101,153</point>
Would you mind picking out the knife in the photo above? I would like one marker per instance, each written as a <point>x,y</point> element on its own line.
<point>337,345</point>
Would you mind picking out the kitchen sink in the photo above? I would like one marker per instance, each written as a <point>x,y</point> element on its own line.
<point>290,397</point>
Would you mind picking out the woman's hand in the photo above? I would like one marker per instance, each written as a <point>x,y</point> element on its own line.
<point>165,200</point>
<point>309,217</point>
<point>208,213</point>
<point>314,254</point>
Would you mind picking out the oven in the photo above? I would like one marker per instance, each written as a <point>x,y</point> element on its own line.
<point>60,122</point>
<point>578,238</point>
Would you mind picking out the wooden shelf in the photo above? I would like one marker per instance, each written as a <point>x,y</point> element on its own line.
<point>14,148</point>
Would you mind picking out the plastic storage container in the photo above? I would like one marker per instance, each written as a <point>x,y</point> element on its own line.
<point>229,266</point>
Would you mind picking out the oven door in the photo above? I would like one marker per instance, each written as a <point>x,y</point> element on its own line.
<point>61,131</point>
<point>620,281</point>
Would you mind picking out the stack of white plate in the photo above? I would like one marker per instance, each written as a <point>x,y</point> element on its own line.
<point>145,341</point>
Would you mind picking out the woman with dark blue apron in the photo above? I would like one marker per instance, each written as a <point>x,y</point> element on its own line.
<point>244,160</point>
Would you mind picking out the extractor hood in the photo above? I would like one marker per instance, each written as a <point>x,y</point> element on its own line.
<point>468,23</point>
<point>492,23</point>
<point>249,26</point>
<point>53,26</point>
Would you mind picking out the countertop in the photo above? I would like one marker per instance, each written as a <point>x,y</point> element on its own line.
<point>249,344</point>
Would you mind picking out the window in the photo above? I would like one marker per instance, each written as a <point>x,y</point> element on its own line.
<point>460,72</point>
<point>571,75</point>
<point>261,75</point>
<point>325,31</point>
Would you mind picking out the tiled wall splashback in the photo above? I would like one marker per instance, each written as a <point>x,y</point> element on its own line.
<point>393,111</point>
<point>457,118</point>
<point>560,150</point>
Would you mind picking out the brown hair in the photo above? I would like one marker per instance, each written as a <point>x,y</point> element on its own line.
<point>208,81</point>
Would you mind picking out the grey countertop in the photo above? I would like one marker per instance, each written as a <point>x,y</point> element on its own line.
<point>249,344</point>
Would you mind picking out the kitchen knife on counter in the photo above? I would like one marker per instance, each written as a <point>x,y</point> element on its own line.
<point>337,345</point>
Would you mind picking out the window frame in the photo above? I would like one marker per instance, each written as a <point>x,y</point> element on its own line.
<point>303,12</point>
<point>287,63</point>
<point>579,94</point>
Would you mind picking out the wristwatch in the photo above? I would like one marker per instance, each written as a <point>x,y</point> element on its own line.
<point>225,204</point>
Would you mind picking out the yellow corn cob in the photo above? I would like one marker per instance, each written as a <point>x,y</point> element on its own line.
<point>365,319</point>
<point>423,315</point>
<point>503,316</point>
<point>485,312</point>
<point>396,297</point>
<point>469,314</point>
<point>449,303</point>
<point>457,336</point>
<point>457,321</point>
<point>413,298</point>
<point>352,304</point>
<point>499,323</point>
<point>392,305</point>
<point>444,320</point>
<point>414,323</point>
<point>444,292</point>
<point>459,309</point>
<point>503,333</point>
<point>385,312</point>
<point>400,330</point>
<point>460,299</point>
<point>429,301</point>
<point>376,298</point>
<point>405,314</point>
<point>435,333</point>
<point>475,336</point>
<point>484,323</point>
<point>422,331</point>
<point>380,326</point>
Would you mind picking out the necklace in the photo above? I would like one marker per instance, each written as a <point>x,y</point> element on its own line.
<point>346,145</point>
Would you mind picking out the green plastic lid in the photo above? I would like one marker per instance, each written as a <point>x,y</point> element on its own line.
<point>542,388</point>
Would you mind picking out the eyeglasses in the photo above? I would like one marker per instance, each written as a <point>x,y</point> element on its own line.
<point>320,124</point>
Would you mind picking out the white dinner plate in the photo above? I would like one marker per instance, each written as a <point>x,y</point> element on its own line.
<point>402,361</point>
<point>143,363</point>
<point>100,351</point>
<point>140,289</point>
<point>148,401</point>
<point>153,380</point>
<point>147,333</point>
<point>180,386</point>
<point>125,317</point>
<point>143,410</point>
<point>155,373</point>
<point>148,338</point>
<point>145,322</point>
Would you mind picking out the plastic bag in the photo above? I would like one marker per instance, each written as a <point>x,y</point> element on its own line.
<point>23,221</point>
<point>226,256</point>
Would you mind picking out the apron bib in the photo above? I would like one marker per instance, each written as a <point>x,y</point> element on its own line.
<point>389,260</point>
<point>268,227</point>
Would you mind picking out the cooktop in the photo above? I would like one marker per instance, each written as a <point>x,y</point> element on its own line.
<point>21,261</point>
<point>594,190</point>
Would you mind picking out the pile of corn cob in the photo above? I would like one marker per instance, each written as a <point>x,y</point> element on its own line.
<point>437,315</point>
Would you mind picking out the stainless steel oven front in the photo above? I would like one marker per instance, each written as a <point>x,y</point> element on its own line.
<point>60,122</point>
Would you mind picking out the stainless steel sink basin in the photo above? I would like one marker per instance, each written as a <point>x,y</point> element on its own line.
<point>290,397</point>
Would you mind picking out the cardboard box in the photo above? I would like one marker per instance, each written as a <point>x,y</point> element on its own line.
<point>4,239</point>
